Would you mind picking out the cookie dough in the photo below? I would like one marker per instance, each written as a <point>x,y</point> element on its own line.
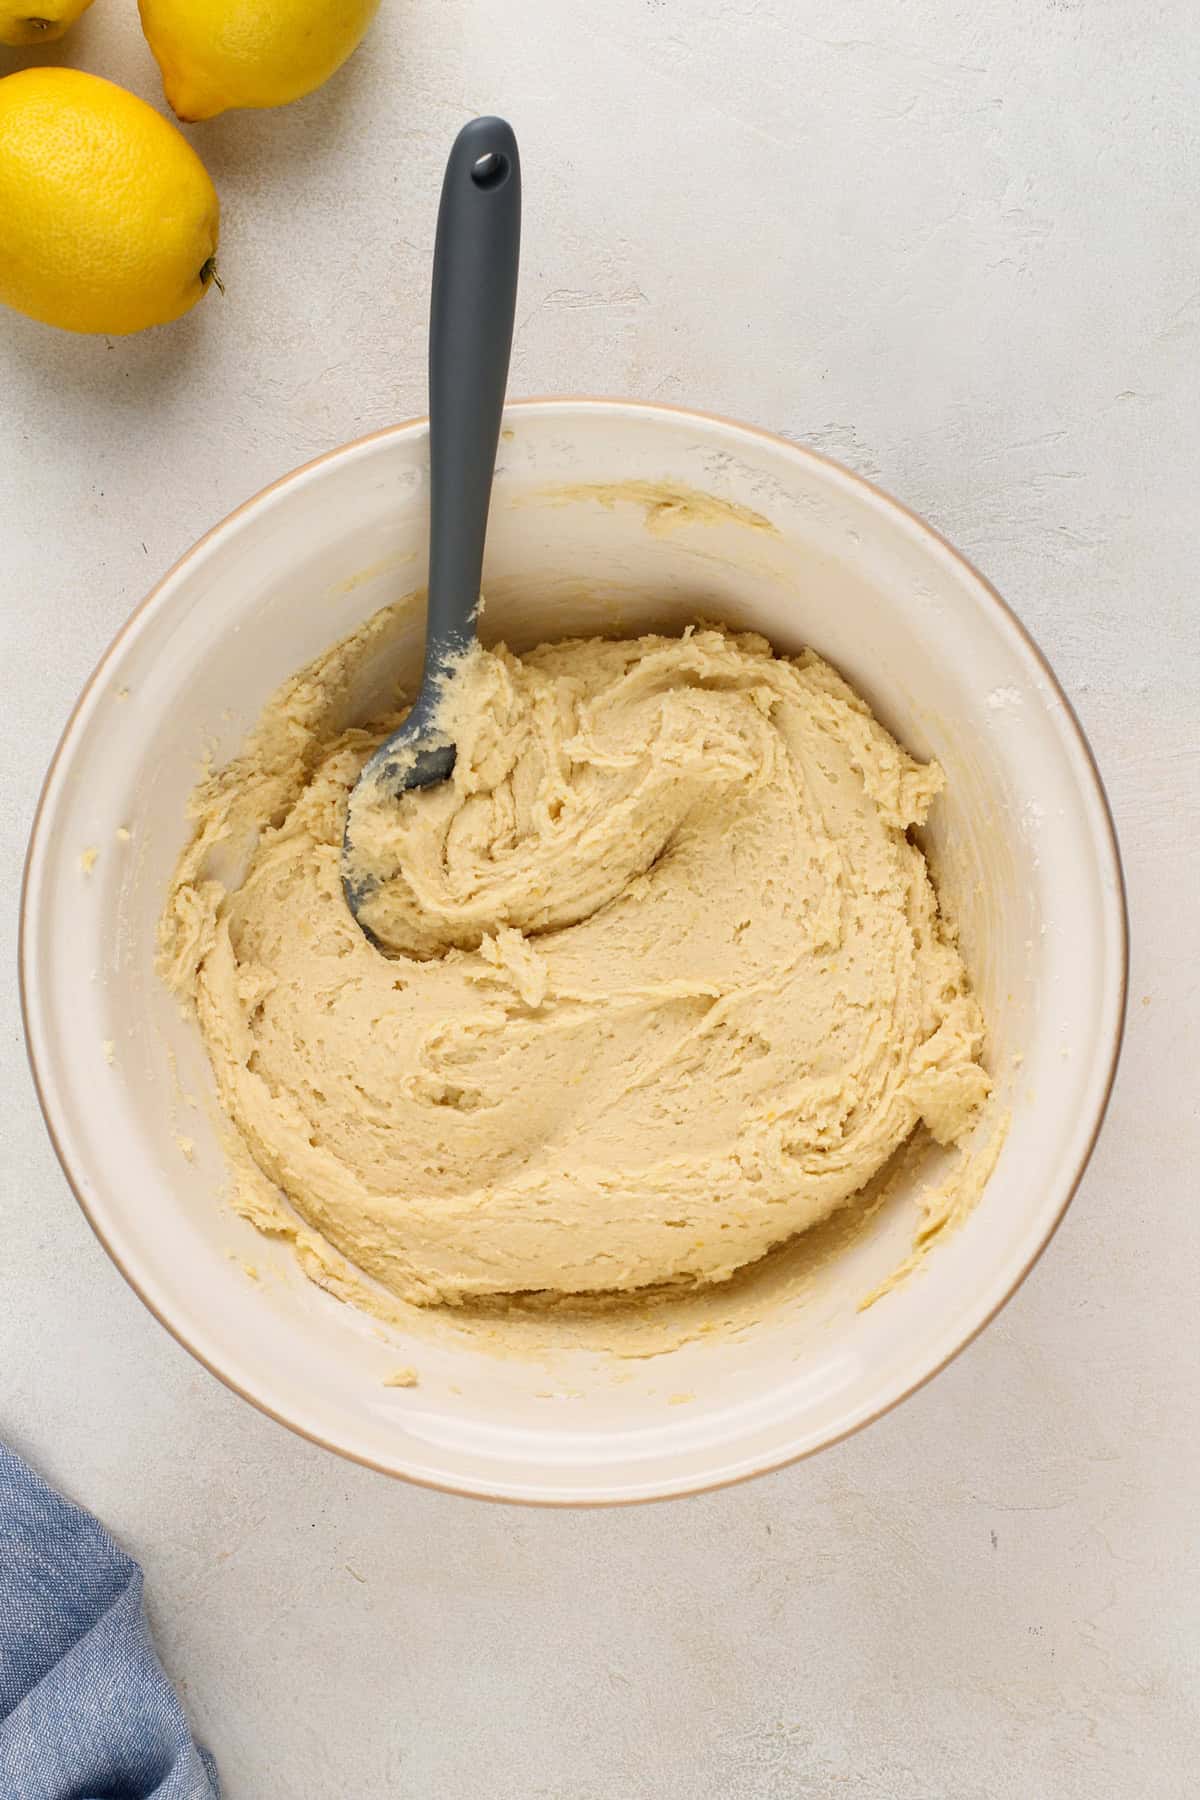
<point>665,979</point>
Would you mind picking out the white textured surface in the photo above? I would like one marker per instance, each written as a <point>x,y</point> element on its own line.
<point>957,247</point>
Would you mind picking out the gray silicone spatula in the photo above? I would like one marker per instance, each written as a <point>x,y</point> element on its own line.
<point>474,293</point>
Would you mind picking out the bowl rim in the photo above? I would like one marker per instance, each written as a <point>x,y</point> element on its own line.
<point>798,452</point>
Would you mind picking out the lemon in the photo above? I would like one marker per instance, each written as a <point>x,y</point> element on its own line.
<point>215,54</point>
<point>109,217</point>
<point>37,21</point>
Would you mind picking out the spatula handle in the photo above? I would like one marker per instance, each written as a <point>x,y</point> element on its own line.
<point>473,301</point>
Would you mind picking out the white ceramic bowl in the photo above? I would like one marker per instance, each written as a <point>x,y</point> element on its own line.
<point>1022,839</point>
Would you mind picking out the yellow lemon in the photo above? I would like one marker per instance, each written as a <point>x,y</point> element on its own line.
<point>37,21</point>
<point>215,54</point>
<point>109,217</point>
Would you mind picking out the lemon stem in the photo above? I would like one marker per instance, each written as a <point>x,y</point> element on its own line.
<point>208,272</point>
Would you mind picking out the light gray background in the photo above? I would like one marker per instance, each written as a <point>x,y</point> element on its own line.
<point>956,246</point>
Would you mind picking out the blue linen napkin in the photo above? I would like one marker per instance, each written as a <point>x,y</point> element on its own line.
<point>86,1712</point>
